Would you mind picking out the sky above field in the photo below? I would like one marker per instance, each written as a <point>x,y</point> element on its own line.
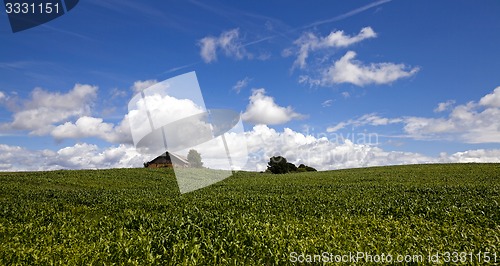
<point>333,84</point>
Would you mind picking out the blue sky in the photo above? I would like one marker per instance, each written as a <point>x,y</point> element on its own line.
<point>421,75</point>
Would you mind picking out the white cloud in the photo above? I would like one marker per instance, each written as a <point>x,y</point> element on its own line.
<point>326,153</point>
<point>327,103</point>
<point>473,156</point>
<point>306,79</point>
<point>444,106</point>
<point>368,119</point>
<point>348,70</point>
<point>421,127</point>
<point>2,96</point>
<point>165,109</point>
<point>492,99</point>
<point>68,115</point>
<point>338,39</point>
<point>183,122</point>
<point>241,84</point>
<point>117,93</point>
<point>162,108</point>
<point>228,43</point>
<point>140,85</point>
<point>287,52</point>
<point>263,110</point>
<point>208,49</point>
<point>345,94</point>
<point>310,42</point>
<point>263,56</point>
<point>44,109</point>
<point>79,156</point>
<point>337,127</point>
<point>473,122</point>
<point>86,127</point>
<point>321,152</point>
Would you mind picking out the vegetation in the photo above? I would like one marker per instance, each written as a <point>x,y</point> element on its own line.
<point>279,165</point>
<point>305,168</point>
<point>138,217</point>
<point>194,159</point>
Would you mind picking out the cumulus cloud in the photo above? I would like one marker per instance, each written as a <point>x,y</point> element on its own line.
<point>310,42</point>
<point>81,156</point>
<point>322,152</point>
<point>241,84</point>
<point>326,152</point>
<point>78,156</point>
<point>140,85</point>
<point>165,109</point>
<point>470,123</point>
<point>348,70</point>
<point>473,122</point>
<point>228,42</point>
<point>162,108</point>
<point>86,127</point>
<point>263,110</point>
<point>492,99</point>
<point>44,109</point>
<point>69,115</point>
<point>472,156</point>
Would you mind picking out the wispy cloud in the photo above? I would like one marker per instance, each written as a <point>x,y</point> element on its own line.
<point>327,103</point>
<point>347,14</point>
<point>174,69</point>
<point>71,33</point>
<point>324,21</point>
<point>241,84</point>
<point>310,42</point>
<point>369,119</point>
<point>21,65</point>
<point>228,42</point>
<point>235,48</point>
<point>168,18</point>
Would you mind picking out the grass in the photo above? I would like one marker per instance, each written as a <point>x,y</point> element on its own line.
<point>138,217</point>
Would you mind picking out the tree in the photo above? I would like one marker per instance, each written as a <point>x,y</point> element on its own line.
<point>279,165</point>
<point>194,159</point>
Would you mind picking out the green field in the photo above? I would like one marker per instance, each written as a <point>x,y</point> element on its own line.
<point>138,217</point>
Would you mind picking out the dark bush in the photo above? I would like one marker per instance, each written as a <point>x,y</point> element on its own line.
<point>310,169</point>
<point>279,165</point>
<point>305,168</point>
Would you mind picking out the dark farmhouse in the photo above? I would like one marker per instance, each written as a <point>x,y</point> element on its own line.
<point>167,159</point>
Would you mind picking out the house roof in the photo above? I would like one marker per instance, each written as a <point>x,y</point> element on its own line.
<point>169,157</point>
